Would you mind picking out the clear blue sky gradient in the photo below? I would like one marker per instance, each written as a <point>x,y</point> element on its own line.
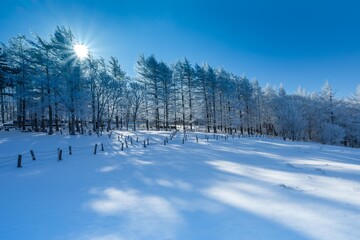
<point>297,43</point>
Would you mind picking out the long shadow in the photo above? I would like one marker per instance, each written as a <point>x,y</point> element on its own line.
<point>201,217</point>
<point>182,176</point>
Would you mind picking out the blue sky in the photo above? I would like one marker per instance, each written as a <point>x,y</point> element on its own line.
<point>296,43</point>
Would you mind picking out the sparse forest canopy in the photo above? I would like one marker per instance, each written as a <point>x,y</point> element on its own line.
<point>46,87</point>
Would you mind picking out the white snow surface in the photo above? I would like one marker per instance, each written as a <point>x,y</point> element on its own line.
<point>235,188</point>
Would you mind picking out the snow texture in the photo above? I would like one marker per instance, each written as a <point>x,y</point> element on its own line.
<point>234,188</point>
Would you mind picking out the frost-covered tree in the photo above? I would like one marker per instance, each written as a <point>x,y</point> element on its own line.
<point>137,99</point>
<point>188,74</point>
<point>42,81</point>
<point>165,79</point>
<point>184,78</point>
<point>212,86</point>
<point>179,79</point>
<point>203,92</point>
<point>69,92</point>
<point>6,84</point>
<point>257,106</point>
<point>148,74</point>
<point>330,129</point>
<point>230,103</point>
<point>104,88</point>
<point>92,74</point>
<point>350,117</point>
<point>222,78</point>
<point>48,73</point>
<point>18,55</point>
<point>117,88</point>
<point>245,97</point>
<point>268,113</point>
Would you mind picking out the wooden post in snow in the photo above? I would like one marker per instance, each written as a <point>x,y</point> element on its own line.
<point>60,155</point>
<point>19,161</point>
<point>32,155</point>
<point>95,148</point>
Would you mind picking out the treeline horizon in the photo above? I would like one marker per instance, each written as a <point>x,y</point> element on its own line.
<point>44,84</point>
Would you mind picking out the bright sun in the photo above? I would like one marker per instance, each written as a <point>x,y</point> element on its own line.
<point>81,50</point>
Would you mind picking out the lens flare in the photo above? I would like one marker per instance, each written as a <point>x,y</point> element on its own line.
<point>81,50</point>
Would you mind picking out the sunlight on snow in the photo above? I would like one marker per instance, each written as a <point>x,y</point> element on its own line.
<point>108,168</point>
<point>328,165</point>
<point>141,162</point>
<point>267,199</point>
<point>318,186</point>
<point>4,140</point>
<point>230,189</point>
<point>314,220</point>
<point>174,184</point>
<point>147,214</point>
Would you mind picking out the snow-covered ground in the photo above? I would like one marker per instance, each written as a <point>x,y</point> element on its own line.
<point>235,188</point>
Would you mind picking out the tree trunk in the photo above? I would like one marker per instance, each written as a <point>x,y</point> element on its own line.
<point>72,123</point>
<point>43,125</point>
<point>2,105</point>
<point>93,108</point>
<point>221,114</point>
<point>23,114</point>
<point>214,111</point>
<point>56,117</point>
<point>167,117</point>
<point>82,126</point>
<point>241,122</point>
<point>190,103</point>
<point>157,113</point>
<point>229,125</point>
<point>134,120</point>
<point>117,121</point>
<point>183,104</point>
<point>206,105</point>
<point>77,122</point>
<point>109,125</point>
<point>36,124</point>
<point>51,131</point>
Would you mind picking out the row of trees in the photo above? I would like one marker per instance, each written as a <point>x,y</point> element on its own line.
<point>44,85</point>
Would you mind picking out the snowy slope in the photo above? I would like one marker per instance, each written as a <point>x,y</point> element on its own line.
<point>235,188</point>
